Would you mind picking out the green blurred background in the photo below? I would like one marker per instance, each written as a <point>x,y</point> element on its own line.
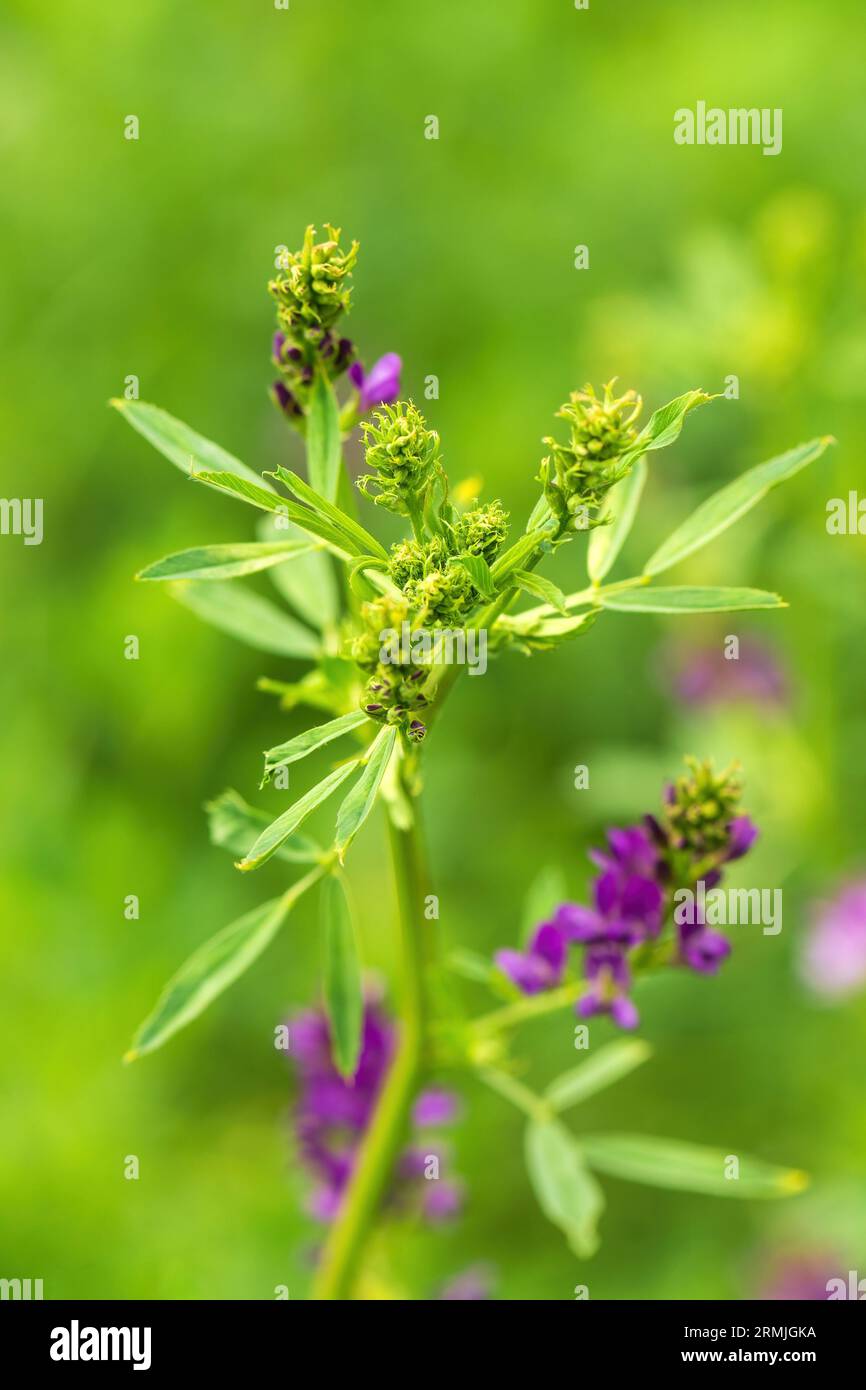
<point>150,257</point>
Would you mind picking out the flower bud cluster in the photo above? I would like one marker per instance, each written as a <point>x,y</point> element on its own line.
<point>577,475</point>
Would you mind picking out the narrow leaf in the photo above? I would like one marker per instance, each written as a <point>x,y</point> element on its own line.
<point>224,561</point>
<point>181,445</point>
<point>567,1192</point>
<point>727,505</point>
<point>687,599</point>
<point>541,588</point>
<point>516,556</point>
<point>479,572</point>
<point>359,803</point>
<point>324,452</point>
<point>596,1073</point>
<point>363,543</point>
<point>688,1167</point>
<point>307,582</point>
<point>211,969</point>
<point>606,542</point>
<point>248,617</point>
<point>285,825</point>
<point>302,744</point>
<point>256,491</point>
<point>344,1000</point>
<point>233,825</point>
<point>665,424</point>
<point>334,539</point>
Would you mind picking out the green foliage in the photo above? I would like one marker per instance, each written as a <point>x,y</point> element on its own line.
<point>567,1192</point>
<point>212,968</point>
<point>601,1069</point>
<point>285,825</point>
<point>343,992</point>
<point>688,1167</point>
<point>251,619</point>
<point>225,561</point>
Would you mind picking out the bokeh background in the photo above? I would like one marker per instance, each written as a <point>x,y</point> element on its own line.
<point>150,257</point>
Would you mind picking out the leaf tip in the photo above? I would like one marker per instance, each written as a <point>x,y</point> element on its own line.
<point>117,403</point>
<point>793,1181</point>
<point>130,1056</point>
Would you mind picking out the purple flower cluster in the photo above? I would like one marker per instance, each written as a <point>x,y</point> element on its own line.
<point>834,957</point>
<point>334,1112</point>
<point>708,676</point>
<point>632,894</point>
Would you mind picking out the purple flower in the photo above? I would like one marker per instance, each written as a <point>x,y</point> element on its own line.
<point>606,968</point>
<point>628,898</point>
<point>435,1107</point>
<point>379,386</point>
<point>334,1112</point>
<point>743,833</point>
<point>541,966</point>
<point>472,1286</point>
<point>800,1277</point>
<point>700,948</point>
<point>707,676</point>
<point>834,957</point>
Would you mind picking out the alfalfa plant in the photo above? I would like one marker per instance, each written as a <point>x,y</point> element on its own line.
<point>375,627</point>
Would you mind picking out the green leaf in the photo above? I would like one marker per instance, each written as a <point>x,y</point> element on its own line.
<point>324,451</point>
<point>470,965</point>
<point>212,968</point>
<point>302,744</point>
<point>606,542</point>
<point>665,424</point>
<point>541,588</point>
<point>344,1000</point>
<point>596,1073</point>
<point>727,505</point>
<point>307,582</point>
<point>479,572</point>
<point>233,825</point>
<point>362,542</point>
<point>334,539</point>
<point>246,616</point>
<point>224,561</point>
<point>285,825</point>
<point>567,1192</point>
<point>546,891</point>
<point>516,556</point>
<point>688,599</point>
<point>181,445</point>
<point>359,803</point>
<point>687,1167</point>
<point>256,491</point>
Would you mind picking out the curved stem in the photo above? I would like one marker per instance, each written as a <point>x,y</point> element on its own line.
<point>344,1250</point>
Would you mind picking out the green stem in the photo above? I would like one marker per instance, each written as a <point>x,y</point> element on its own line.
<point>344,1251</point>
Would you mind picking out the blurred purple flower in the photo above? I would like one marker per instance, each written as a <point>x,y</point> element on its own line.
<point>472,1286</point>
<point>381,384</point>
<point>744,833</point>
<point>834,956</point>
<point>333,1113</point>
<point>700,948</point>
<point>705,676</point>
<point>541,966</point>
<point>800,1277</point>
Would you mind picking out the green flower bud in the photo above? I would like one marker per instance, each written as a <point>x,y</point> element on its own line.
<point>481,531</point>
<point>403,455</point>
<point>700,807</point>
<point>577,475</point>
<point>309,288</point>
